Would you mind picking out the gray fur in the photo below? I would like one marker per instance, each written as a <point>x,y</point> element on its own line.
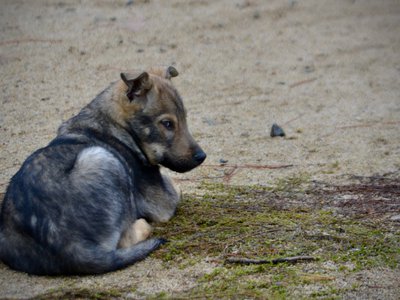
<point>66,209</point>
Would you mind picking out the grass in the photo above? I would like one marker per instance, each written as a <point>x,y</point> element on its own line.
<point>237,221</point>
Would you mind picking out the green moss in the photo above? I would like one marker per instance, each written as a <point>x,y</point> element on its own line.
<point>292,183</point>
<point>238,221</point>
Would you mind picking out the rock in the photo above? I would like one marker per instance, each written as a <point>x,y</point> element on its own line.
<point>223,161</point>
<point>330,265</point>
<point>256,15</point>
<point>395,218</point>
<point>309,69</point>
<point>209,121</point>
<point>276,130</point>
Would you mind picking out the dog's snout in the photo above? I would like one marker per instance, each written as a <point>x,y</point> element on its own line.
<point>199,156</point>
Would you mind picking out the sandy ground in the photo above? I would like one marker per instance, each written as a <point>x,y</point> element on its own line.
<point>327,71</point>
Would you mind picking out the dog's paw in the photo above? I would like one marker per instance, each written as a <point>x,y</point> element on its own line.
<point>136,233</point>
<point>142,230</point>
<point>162,241</point>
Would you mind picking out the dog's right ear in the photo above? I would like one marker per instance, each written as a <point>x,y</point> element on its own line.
<point>138,84</point>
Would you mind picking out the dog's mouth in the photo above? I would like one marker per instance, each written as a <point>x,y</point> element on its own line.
<point>182,166</point>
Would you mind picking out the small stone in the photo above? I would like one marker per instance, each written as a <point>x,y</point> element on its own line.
<point>309,69</point>
<point>395,218</point>
<point>209,121</point>
<point>129,2</point>
<point>223,161</point>
<point>330,265</point>
<point>256,15</point>
<point>276,130</point>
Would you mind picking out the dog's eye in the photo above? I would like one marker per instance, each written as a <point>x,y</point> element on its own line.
<point>168,124</point>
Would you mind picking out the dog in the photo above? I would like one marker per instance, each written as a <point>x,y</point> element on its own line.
<point>83,203</point>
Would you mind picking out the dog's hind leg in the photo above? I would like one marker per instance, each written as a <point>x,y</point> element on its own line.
<point>137,232</point>
<point>97,260</point>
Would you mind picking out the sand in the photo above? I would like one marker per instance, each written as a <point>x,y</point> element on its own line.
<point>328,72</point>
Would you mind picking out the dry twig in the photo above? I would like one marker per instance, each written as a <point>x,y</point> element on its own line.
<point>246,261</point>
<point>302,82</point>
<point>28,40</point>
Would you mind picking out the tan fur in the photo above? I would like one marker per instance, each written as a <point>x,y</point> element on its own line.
<point>137,232</point>
<point>120,107</point>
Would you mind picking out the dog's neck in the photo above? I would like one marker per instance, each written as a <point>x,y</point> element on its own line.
<point>111,133</point>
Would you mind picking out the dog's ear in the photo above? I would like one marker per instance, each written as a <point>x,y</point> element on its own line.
<point>138,84</point>
<point>171,72</point>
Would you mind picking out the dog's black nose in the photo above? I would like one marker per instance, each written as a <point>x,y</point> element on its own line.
<point>199,156</point>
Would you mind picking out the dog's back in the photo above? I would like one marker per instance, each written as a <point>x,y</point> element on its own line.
<point>40,236</point>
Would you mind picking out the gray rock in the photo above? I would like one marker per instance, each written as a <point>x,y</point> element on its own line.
<point>276,130</point>
<point>395,218</point>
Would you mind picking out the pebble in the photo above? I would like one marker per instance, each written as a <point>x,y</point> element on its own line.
<point>309,69</point>
<point>223,161</point>
<point>209,121</point>
<point>330,265</point>
<point>276,130</point>
<point>256,15</point>
<point>395,218</point>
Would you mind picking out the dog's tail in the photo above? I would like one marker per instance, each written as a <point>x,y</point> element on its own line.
<point>99,261</point>
<point>76,261</point>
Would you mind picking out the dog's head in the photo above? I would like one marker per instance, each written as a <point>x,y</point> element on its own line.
<point>154,113</point>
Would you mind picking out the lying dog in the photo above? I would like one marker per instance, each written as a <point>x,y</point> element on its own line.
<point>81,204</point>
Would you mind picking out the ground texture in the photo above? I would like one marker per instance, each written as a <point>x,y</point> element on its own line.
<point>328,72</point>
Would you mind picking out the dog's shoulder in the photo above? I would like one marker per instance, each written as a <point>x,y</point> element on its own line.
<point>93,158</point>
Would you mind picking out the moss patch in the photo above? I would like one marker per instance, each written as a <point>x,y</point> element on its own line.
<point>239,221</point>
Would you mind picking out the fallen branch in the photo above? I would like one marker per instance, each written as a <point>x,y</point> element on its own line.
<point>247,261</point>
<point>234,169</point>
<point>29,40</point>
<point>246,166</point>
<point>371,124</point>
<point>302,82</point>
<point>230,170</point>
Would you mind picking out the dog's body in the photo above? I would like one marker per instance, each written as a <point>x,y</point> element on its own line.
<point>80,205</point>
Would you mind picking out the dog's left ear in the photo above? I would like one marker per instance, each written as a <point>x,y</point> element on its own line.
<point>138,84</point>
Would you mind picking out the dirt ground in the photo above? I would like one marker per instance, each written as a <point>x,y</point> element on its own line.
<point>328,72</point>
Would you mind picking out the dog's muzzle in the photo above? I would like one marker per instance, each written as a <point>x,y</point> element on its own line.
<point>185,165</point>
